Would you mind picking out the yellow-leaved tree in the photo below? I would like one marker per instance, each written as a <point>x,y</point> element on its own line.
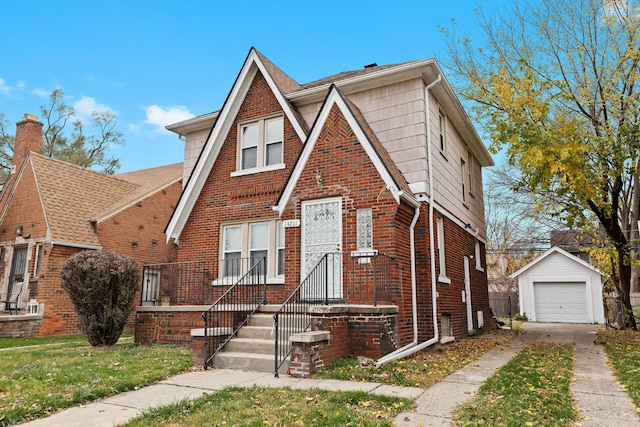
<point>555,85</point>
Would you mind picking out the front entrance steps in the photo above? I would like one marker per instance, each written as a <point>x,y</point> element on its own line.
<point>254,345</point>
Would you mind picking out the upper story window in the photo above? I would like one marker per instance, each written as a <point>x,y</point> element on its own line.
<point>260,145</point>
<point>464,172</point>
<point>471,169</point>
<point>442,128</point>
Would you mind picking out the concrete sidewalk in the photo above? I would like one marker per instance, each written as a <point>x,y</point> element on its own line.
<point>601,400</point>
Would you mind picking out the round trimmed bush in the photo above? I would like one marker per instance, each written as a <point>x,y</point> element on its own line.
<point>102,286</point>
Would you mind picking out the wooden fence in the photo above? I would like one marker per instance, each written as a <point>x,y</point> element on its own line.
<point>504,304</point>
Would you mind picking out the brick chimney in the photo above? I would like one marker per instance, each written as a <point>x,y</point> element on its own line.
<point>28,138</point>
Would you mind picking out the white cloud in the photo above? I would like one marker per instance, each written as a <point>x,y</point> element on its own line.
<point>21,85</point>
<point>4,89</point>
<point>87,105</point>
<point>161,117</point>
<point>43,93</point>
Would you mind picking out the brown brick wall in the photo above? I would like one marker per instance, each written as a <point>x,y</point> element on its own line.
<point>19,326</point>
<point>167,326</point>
<point>242,198</point>
<point>137,231</point>
<point>458,244</point>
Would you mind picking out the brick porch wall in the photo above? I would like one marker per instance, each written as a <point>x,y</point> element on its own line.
<point>20,326</point>
<point>167,325</point>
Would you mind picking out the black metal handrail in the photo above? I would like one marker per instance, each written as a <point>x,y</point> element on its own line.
<point>234,308</point>
<point>293,315</point>
<point>337,278</point>
<point>190,283</point>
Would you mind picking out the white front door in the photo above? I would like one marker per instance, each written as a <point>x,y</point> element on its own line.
<point>322,234</point>
<point>467,290</point>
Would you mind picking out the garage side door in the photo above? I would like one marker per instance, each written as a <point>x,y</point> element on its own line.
<point>564,302</point>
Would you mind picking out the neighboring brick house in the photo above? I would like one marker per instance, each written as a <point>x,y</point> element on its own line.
<point>376,163</point>
<point>51,210</point>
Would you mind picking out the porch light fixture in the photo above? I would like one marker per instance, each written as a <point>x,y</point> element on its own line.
<point>318,177</point>
<point>19,230</point>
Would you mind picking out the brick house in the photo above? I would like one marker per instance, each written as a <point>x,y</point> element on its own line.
<point>373,174</point>
<point>51,210</point>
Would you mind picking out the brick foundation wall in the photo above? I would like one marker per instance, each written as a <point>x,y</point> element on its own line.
<point>167,325</point>
<point>354,330</point>
<point>20,326</point>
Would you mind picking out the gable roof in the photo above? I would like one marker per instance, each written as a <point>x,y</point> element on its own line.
<point>379,156</point>
<point>291,95</point>
<point>72,196</point>
<point>547,254</point>
<point>278,82</point>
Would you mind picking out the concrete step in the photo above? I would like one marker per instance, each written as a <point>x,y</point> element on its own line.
<point>260,319</point>
<point>248,361</point>
<point>259,332</point>
<point>250,345</point>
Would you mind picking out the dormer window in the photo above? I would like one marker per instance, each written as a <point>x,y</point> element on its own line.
<point>260,145</point>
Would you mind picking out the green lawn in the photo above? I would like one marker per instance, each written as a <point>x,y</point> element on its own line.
<point>66,371</point>
<point>623,349</point>
<point>258,406</point>
<point>531,390</point>
<point>423,369</point>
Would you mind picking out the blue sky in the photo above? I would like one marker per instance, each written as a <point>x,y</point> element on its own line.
<point>154,63</point>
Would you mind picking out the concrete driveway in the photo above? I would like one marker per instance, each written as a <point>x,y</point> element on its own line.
<point>597,394</point>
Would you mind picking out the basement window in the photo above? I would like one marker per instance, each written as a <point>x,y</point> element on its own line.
<point>446,329</point>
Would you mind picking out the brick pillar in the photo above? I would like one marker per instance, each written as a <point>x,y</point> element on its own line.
<point>28,138</point>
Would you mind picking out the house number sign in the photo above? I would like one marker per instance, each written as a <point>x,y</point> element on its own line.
<point>291,223</point>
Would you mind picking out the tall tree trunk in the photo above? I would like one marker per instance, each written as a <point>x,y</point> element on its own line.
<point>624,284</point>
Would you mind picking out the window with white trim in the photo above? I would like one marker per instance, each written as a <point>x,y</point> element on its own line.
<point>445,325</point>
<point>464,174</point>
<point>442,129</point>
<point>442,275</point>
<point>244,244</point>
<point>364,229</point>
<point>471,165</point>
<point>260,144</point>
<point>36,269</point>
<point>477,255</point>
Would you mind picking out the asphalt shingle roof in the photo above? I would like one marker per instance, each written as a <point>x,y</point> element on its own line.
<point>73,197</point>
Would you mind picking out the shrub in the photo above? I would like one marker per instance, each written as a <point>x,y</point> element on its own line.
<point>521,317</point>
<point>102,286</point>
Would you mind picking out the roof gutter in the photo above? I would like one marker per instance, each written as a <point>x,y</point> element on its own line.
<point>76,245</point>
<point>413,346</point>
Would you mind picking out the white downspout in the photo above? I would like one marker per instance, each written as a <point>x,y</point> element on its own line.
<point>412,347</point>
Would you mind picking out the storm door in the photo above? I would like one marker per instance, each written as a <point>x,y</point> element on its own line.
<point>18,269</point>
<point>322,235</point>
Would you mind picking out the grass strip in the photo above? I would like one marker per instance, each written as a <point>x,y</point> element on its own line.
<point>531,390</point>
<point>259,406</point>
<point>623,350</point>
<point>38,381</point>
<point>423,369</point>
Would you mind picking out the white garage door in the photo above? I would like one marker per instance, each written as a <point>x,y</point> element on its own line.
<point>561,302</point>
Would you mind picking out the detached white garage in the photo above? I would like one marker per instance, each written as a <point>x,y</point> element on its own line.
<point>560,287</point>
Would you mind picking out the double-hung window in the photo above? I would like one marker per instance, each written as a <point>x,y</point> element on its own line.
<point>260,145</point>
<point>246,244</point>
<point>442,262</point>
<point>442,132</point>
<point>465,176</point>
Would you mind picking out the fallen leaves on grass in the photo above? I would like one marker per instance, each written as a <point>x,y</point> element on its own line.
<point>423,369</point>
